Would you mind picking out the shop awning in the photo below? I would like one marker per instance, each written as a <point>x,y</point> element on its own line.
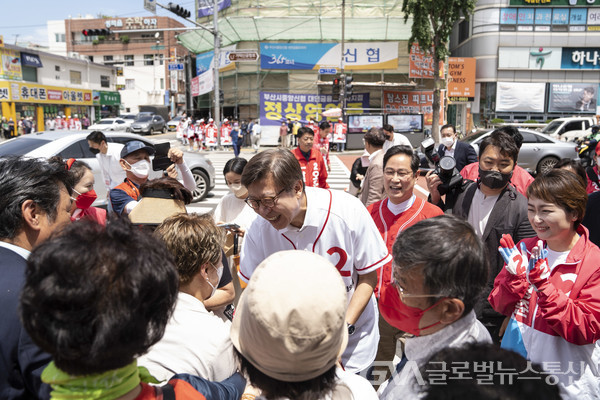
<point>31,60</point>
<point>314,28</point>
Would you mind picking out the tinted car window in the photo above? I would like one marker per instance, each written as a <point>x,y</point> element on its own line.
<point>73,151</point>
<point>529,137</point>
<point>20,146</point>
<point>123,140</point>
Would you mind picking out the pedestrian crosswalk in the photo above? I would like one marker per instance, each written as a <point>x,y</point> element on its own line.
<point>338,179</point>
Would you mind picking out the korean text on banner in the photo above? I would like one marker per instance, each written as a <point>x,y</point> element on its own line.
<point>204,61</point>
<point>461,85</point>
<point>573,97</point>
<point>413,102</point>
<point>420,63</point>
<point>10,68</point>
<point>203,83</point>
<point>34,93</point>
<point>277,107</point>
<point>313,56</point>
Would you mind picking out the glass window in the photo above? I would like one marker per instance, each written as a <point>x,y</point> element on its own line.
<point>148,59</point>
<point>21,146</point>
<point>73,151</point>
<point>104,81</point>
<point>75,77</point>
<point>162,83</point>
<point>528,137</point>
<point>129,84</point>
<point>129,60</point>
<point>57,68</point>
<point>161,58</point>
<point>108,58</point>
<point>29,73</point>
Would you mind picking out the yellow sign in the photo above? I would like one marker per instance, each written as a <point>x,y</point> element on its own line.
<point>10,66</point>
<point>35,93</point>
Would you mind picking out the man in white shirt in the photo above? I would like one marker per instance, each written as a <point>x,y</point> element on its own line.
<point>437,282</point>
<point>108,156</point>
<point>394,139</point>
<point>256,132</point>
<point>330,223</point>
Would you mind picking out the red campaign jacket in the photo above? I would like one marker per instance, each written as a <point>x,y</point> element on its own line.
<point>183,390</point>
<point>521,179</point>
<point>569,306</point>
<point>323,146</point>
<point>591,185</point>
<point>390,225</point>
<point>314,171</point>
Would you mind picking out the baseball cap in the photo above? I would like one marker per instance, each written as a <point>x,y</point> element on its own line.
<point>225,120</point>
<point>135,145</point>
<point>210,120</point>
<point>290,320</point>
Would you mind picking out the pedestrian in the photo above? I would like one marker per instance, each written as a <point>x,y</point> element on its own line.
<point>5,128</point>
<point>248,137</point>
<point>236,139</point>
<point>314,171</point>
<point>85,122</point>
<point>11,127</point>
<point>283,135</point>
<point>256,133</point>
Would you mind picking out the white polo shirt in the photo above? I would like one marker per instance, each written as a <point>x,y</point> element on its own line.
<point>338,227</point>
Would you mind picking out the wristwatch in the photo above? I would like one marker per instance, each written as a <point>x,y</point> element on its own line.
<point>351,329</point>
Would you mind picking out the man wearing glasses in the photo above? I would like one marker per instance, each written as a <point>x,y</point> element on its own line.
<point>436,284</point>
<point>332,224</point>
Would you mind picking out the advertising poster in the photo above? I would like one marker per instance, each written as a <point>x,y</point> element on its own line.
<point>313,56</point>
<point>573,97</point>
<point>277,107</point>
<point>520,97</point>
<point>206,7</point>
<point>203,83</point>
<point>204,61</point>
<point>362,123</point>
<point>11,65</point>
<point>420,64</point>
<point>461,82</point>
<point>413,102</point>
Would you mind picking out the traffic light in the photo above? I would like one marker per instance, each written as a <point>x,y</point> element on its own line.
<point>178,10</point>
<point>348,86</point>
<point>221,97</point>
<point>336,86</point>
<point>96,32</point>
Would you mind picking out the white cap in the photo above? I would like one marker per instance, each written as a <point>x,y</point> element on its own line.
<point>225,120</point>
<point>210,120</point>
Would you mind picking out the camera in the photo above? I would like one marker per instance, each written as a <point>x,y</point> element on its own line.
<point>445,167</point>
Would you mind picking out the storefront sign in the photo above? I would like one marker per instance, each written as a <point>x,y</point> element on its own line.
<point>132,23</point>
<point>204,61</point>
<point>520,97</point>
<point>573,97</point>
<point>554,2</point>
<point>413,102</point>
<point>543,58</point>
<point>110,98</point>
<point>310,56</point>
<point>11,65</point>
<point>580,58</point>
<point>461,82</point>
<point>277,107</point>
<point>34,93</point>
<point>420,63</point>
<point>31,60</point>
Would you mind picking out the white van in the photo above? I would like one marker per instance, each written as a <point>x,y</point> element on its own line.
<point>569,129</point>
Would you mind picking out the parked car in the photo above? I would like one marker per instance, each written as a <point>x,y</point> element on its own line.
<point>538,153</point>
<point>147,122</point>
<point>73,144</point>
<point>128,118</point>
<point>109,124</point>
<point>172,124</point>
<point>568,129</point>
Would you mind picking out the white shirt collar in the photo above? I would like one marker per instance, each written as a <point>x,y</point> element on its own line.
<point>19,250</point>
<point>374,154</point>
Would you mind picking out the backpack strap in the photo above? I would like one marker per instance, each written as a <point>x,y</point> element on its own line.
<point>592,175</point>
<point>168,391</point>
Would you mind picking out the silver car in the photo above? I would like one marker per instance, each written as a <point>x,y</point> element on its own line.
<point>73,144</point>
<point>538,153</point>
<point>147,122</point>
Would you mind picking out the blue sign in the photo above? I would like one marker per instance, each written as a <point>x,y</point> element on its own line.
<point>292,55</point>
<point>327,71</point>
<point>205,7</point>
<point>543,16</point>
<point>560,16</point>
<point>525,16</point>
<point>31,60</point>
<point>176,67</point>
<point>578,16</point>
<point>508,16</point>
<point>580,58</point>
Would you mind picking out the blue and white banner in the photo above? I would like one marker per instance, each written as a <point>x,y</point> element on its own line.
<point>204,61</point>
<point>362,55</point>
<point>205,7</point>
<point>580,58</point>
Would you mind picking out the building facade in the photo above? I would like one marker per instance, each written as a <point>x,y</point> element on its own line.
<point>42,85</point>
<point>536,60</point>
<point>141,48</point>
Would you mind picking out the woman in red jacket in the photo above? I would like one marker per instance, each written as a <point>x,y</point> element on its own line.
<point>550,287</point>
<point>84,194</point>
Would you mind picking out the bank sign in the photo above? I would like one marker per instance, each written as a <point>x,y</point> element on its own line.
<point>313,56</point>
<point>549,58</point>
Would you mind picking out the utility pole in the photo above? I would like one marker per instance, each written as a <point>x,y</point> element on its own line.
<point>217,60</point>
<point>342,75</point>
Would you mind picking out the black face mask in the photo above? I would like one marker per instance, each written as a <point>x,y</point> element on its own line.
<point>94,151</point>
<point>494,179</point>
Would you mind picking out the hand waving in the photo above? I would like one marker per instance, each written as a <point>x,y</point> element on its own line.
<point>516,261</point>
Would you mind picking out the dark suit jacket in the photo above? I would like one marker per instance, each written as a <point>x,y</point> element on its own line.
<point>509,215</point>
<point>21,361</point>
<point>464,154</point>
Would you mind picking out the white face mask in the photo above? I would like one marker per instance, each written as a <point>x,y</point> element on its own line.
<point>447,141</point>
<point>238,190</point>
<point>219,275</point>
<point>141,169</point>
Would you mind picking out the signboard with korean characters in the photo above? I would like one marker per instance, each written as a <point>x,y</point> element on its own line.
<point>413,102</point>
<point>35,93</point>
<point>420,63</point>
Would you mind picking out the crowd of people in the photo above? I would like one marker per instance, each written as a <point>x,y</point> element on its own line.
<point>291,290</point>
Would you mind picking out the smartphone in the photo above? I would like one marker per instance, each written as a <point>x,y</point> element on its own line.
<point>229,226</point>
<point>161,161</point>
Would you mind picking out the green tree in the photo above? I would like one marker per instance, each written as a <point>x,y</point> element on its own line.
<point>432,23</point>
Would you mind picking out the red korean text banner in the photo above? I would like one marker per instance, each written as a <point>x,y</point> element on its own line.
<point>413,102</point>
<point>420,64</point>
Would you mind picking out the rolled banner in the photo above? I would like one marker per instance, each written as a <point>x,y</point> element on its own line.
<point>332,112</point>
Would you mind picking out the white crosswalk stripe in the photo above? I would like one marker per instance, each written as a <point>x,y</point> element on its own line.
<point>338,179</point>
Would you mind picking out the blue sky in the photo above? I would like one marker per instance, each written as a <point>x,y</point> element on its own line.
<point>27,18</point>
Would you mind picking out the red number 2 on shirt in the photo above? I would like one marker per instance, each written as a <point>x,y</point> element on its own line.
<point>343,258</point>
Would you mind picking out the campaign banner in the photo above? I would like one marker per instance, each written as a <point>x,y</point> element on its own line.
<point>413,102</point>
<point>573,97</point>
<point>11,65</point>
<point>420,63</point>
<point>461,82</point>
<point>277,107</point>
<point>204,61</point>
<point>206,7</point>
<point>314,56</point>
<point>553,2</point>
<point>520,96</point>
<point>580,58</point>
<point>203,83</point>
